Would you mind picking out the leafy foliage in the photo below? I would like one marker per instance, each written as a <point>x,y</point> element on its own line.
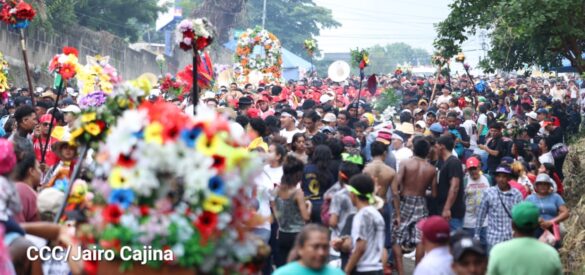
<point>384,59</point>
<point>124,18</point>
<point>522,32</point>
<point>388,98</point>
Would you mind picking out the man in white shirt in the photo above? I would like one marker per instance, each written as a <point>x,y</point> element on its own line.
<point>288,119</point>
<point>445,97</point>
<point>401,152</point>
<point>435,240</point>
<point>470,127</point>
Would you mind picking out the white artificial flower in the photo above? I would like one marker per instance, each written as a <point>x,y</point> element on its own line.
<point>143,181</point>
<point>123,136</point>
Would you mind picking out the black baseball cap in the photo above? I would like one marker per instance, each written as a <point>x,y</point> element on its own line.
<point>464,245</point>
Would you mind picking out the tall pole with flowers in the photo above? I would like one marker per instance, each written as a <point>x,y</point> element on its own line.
<point>461,59</point>
<point>65,66</point>
<point>195,35</point>
<point>311,47</point>
<point>439,60</point>
<point>360,59</point>
<point>18,15</point>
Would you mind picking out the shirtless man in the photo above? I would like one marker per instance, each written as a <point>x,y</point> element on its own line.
<point>416,175</point>
<point>383,176</point>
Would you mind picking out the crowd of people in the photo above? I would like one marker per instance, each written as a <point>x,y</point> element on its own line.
<point>466,177</point>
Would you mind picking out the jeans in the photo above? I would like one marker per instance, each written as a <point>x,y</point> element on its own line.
<point>482,235</point>
<point>455,224</point>
<point>286,242</point>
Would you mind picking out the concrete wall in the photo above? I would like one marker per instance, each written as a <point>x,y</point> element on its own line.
<point>41,47</point>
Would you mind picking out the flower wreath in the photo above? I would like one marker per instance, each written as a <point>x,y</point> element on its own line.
<point>180,184</point>
<point>269,65</point>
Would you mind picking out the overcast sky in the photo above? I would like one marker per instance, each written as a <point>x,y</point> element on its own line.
<point>369,22</point>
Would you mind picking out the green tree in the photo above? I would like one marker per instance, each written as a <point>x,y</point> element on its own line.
<point>292,21</point>
<point>384,59</point>
<point>124,18</point>
<point>522,32</point>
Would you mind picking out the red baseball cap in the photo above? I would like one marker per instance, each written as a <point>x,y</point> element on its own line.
<point>349,141</point>
<point>472,162</point>
<point>46,118</point>
<point>435,229</point>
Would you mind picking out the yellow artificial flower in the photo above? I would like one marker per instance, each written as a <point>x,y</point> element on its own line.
<point>118,178</point>
<point>366,59</point>
<point>236,157</point>
<point>153,133</point>
<point>87,117</point>
<point>142,83</point>
<point>93,129</point>
<point>72,59</point>
<point>123,102</point>
<point>215,203</point>
<point>208,147</point>
<point>76,133</point>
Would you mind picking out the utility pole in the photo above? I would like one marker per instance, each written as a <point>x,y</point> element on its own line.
<point>482,37</point>
<point>264,15</point>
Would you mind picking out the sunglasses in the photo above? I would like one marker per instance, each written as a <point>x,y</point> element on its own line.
<point>46,124</point>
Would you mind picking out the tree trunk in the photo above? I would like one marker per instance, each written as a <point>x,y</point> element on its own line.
<point>223,14</point>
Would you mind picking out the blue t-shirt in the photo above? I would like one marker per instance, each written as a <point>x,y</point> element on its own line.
<point>295,268</point>
<point>548,206</point>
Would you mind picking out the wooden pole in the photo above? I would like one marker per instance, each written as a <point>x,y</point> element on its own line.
<point>194,93</point>
<point>53,111</point>
<point>25,58</point>
<point>435,85</point>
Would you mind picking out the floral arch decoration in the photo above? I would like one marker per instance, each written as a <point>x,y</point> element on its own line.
<point>246,61</point>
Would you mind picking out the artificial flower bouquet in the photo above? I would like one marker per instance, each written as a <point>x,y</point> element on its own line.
<point>439,60</point>
<point>100,111</point>
<point>310,46</point>
<point>66,64</point>
<point>359,58</point>
<point>194,34</point>
<point>16,13</point>
<point>177,183</point>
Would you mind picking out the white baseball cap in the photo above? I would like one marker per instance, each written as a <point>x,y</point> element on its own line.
<point>71,109</point>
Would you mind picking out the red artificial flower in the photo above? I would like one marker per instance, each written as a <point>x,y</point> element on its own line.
<point>70,50</point>
<point>24,11</point>
<point>112,213</point>
<point>67,71</point>
<point>185,47</point>
<point>206,223</point>
<point>362,64</point>
<point>101,124</point>
<point>111,244</point>
<point>90,267</point>
<point>201,43</point>
<point>126,161</point>
<point>171,132</point>
<point>5,14</point>
<point>167,248</point>
<point>219,163</point>
<point>189,34</point>
<point>54,63</point>
<point>144,210</point>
